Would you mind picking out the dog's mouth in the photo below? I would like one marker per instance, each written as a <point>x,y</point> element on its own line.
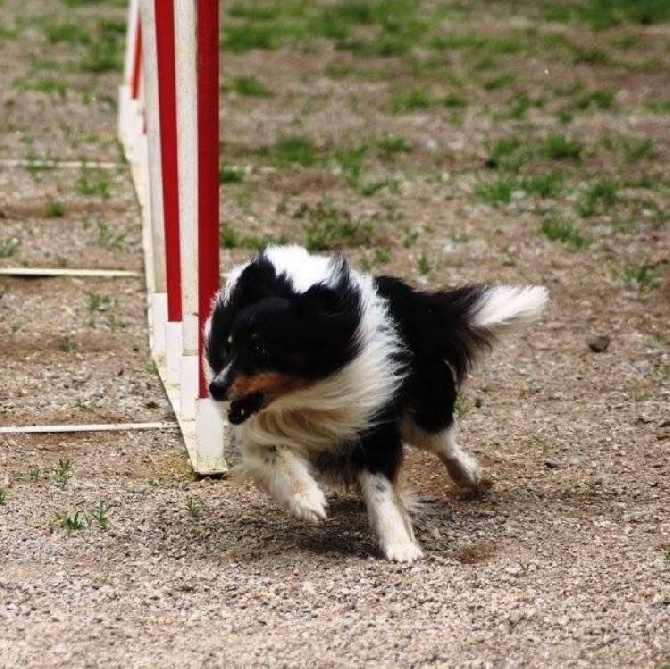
<point>243,408</point>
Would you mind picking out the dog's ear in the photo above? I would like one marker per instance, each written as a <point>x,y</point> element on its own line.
<point>257,281</point>
<point>333,297</point>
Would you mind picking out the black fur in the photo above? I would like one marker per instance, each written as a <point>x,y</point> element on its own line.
<point>441,344</point>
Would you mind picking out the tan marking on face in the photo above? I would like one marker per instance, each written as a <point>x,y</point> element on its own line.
<point>271,384</point>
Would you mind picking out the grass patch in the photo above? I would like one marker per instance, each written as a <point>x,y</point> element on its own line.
<point>54,209</point>
<point>390,145</point>
<point>105,51</point>
<point>291,150</point>
<point>9,247</point>
<point>63,473</point>
<point>560,147</point>
<point>328,228</point>
<point>560,230</point>
<point>99,302</point>
<point>73,521</point>
<point>502,190</point>
<point>249,86</point>
<point>101,516</point>
<point>604,14</point>
<point>229,238</point>
<point>229,174</point>
<point>69,33</point>
<point>600,194</point>
<point>496,192</point>
<point>67,344</point>
<point>645,277</point>
<point>44,85</point>
<point>93,183</point>
<point>108,239</point>
<point>658,106</point>
<point>403,101</point>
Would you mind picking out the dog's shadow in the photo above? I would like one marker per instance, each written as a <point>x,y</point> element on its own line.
<point>266,532</point>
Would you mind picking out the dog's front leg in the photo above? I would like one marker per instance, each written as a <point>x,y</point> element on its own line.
<point>286,476</point>
<point>389,518</point>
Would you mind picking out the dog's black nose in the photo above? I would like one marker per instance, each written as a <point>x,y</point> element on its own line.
<point>218,390</point>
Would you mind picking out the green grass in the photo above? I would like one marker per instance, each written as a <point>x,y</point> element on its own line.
<point>328,228</point>
<point>249,36</point>
<point>596,99</point>
<point>3,497</point>
<point>230,238</point>
<point>93,183</point>
<point>249,86</point>
<point>391,145</point>
<point>291,150</point>
<point>423,264</point>
<point>496,192</point>
<point>658,106</point>
<point>63,473</point>
<point>67,344</point>
<point>408,100</point>
<point>9,247</point>
<point>462,406</point>
<point>54,209</point>
<point>73,521</point>
<point>35,473</point>
<point>105,51</point>
<point>108,239</point>
<point>101,516</point>
<point>560,147</point>
<point>44,85</point>
<point>559,230</point>
<point>645,277</point>
<point>229,174</point>
<point>99,302</point>
<point>501,190</point>
<point>600,194</point>
<point>193,508</point>
<point>70,33</point>
<point>604,14</point>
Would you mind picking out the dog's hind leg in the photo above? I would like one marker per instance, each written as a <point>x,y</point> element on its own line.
<point>462,468</point>
<point>286,476</point>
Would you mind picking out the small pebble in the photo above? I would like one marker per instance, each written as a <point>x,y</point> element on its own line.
<point>599,343</point>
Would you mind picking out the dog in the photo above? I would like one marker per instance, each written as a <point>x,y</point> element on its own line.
<point>323,369</point>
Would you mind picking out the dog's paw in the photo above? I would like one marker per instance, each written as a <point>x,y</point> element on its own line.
<point>463,470</point>
<point>406,551</point>
<point>309,505</point>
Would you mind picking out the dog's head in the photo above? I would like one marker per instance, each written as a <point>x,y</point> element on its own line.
<point>265,339</point>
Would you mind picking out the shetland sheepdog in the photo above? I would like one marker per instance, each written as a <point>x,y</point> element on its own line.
<point>322,369</point>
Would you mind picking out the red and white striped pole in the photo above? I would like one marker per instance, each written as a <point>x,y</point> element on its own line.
<point>180,112</point>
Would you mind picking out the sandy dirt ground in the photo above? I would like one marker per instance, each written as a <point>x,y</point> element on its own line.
<point>533,150</point>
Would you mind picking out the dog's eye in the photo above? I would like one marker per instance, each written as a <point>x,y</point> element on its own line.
<point>259,350</point>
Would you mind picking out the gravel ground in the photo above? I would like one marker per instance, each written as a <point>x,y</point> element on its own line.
<point>113,554</point>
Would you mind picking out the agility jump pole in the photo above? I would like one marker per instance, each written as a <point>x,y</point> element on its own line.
<point>169,127</point>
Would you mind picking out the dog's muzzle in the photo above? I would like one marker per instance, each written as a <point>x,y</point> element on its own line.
<point>240,408</point>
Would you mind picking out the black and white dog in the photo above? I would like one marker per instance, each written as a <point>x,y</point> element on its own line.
<point>322,369</point>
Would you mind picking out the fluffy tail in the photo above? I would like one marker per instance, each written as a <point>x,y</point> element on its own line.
<point>473,317</point>
<point>457,326</point>
<point>501,308</point>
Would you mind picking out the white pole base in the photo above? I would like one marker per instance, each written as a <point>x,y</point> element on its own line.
<point>173,349</point>
<point>158,323</point>
<point>188,386</point>
<point>209,456</point>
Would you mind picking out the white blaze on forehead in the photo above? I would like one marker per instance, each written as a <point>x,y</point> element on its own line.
<point>302,269</point>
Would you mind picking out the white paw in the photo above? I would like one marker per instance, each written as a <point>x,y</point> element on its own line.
<point>464,470</point>
<point>309,505</point>
<point>406,551</point>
